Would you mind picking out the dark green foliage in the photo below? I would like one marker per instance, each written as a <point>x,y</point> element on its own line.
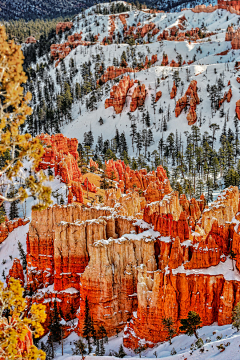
<point>22,255</point>
<point>168,326</point>
<point>55,326</point>
<point>79,348</point>
<point>88,328</point>
<point>191,324</point>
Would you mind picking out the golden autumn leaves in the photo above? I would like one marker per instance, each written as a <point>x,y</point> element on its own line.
<point>13,112</point>
<point>15,329</point>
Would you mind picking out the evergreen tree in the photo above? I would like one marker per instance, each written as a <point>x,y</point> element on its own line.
<point>121,353</point>
<point>55,327</point>
<point>88,326</point>
<point>23,255</point>
<point>231,177</point>
<point>236,317</point>
<point>147,120</point>
<point>79,348</point>
<point>13,213</point>
<point>102,349</point>
<point>168,326</point>
<point>191,324</point>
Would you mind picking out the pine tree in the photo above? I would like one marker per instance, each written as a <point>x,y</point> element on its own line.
<point>88,326</point>
<point>55,329</point>
<point>236,317</point>
<point>168,326</point>
<point>23,255</point>
<point>79,348</point>
<point>102,349</point>
<point>13,213</point>
<point>103,334</point>
<point>191,324</point>
<point>147,119</point>
<point>121,352</point>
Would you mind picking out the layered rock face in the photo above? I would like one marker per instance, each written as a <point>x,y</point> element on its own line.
<point>138,97</point>
<point>146,253</point>
<point>233,36</point>
<point>112,72</point>
<point>110,280</point>
<point>118,94</point>
<point>190,98</point>
<point>231,6</point>
<point>16,272</point>
<point>8,226</point>
<point>58,251</point>
<point>154,184</point>
<point>62,26</point>
<point>61,154</point>
<point>223,209</point>
<point>173,295</point>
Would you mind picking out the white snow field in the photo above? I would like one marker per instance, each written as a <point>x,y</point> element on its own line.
<point>208,67</point>
<point>212,336</point>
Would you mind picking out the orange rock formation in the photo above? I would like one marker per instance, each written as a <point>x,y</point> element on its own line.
<point>16,272</point>
<point>61,154</point>
<point>190,98</point>
<point>8,226</point>
<point>138,97</point>
<point>118,94</point>
<point>63,26</point>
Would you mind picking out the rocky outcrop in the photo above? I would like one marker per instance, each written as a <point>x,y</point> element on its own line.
<point>190,98</point>
<point>173,294</point>
<point>238,109</point>
<point>118,94</point>
<point>16,272</point>
<point>158,96</point>
<point>61,154</point>
<point>93,164</point>
<point>110,280</point>
<point>223,209</point>
<point>138,97</point>
<point>165,60</point>
<point>112,72</point>
<point>227,96</point>
<point>174,91</point>
<point>154,184</point>
<point>130,204</point>
<point>89,186</point>
<point>8,226</point>
<point>60,51</point>
<point>63,26</point>
<point>206,253</point>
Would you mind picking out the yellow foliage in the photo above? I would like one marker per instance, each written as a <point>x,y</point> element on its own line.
<point>13,112</point>
<point>17,329</point>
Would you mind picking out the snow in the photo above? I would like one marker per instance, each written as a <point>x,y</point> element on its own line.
<point>223,268</point>
<point>201,70</point>
<point>9,247</point>
<point>181,344</point>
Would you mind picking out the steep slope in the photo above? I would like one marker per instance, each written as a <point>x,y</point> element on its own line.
<point>209,61</point>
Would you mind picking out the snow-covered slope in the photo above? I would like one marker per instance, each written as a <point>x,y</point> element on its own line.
<point>213,337</point>
<point>207,68</point>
